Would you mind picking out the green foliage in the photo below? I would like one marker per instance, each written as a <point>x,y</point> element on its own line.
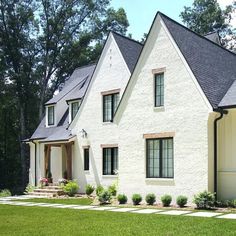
<point>29,189</point>
<point>150,198</point>
<point>122,198</point>
<point>166,200</point>
<point>206,16</point>
<point>99,190</point>
<point>226,203</point>
<point>104,197</point>
<point>113,189</point>
<point>136,198</point>
<point>89,189</point>
<point>181,201</point>
<point>204,200</point>
<point>71,188</point>
<point>5,193</point>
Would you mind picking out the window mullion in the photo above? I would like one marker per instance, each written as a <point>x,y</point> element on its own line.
<point>160,158</point>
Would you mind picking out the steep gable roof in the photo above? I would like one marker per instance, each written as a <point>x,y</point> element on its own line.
<point>213,66</point>
<point>129,48</point>
<point>74,88</point>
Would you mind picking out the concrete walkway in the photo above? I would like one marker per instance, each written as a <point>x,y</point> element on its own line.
<point>209,214</point>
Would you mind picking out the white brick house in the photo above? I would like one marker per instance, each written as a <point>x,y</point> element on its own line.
<point>145,116</point>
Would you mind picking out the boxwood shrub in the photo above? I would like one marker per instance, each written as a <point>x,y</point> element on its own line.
<point>136,198</point>
<point>122,198</point>
<point>150,198</point>
<point>166,200</point>
<point>181,200</point>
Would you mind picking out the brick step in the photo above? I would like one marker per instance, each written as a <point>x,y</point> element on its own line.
<point>52,187</point>
<point>45,190</point>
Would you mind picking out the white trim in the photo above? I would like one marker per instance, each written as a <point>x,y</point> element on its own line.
<point>54,116</point>
<point>186,66</point>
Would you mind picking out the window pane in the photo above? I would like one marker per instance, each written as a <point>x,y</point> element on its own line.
<point>51,115</point>
<point>110,103</point>
<point>86,159</point>
<point>160,158</point>
<point>159,90</point>
<point>74,109</point>
<point>167,158</point>
<point>153,158</point>
<point>110,161</point>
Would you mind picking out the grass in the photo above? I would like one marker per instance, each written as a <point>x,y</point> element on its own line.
<point>18,220</point>
<point>74,201</point>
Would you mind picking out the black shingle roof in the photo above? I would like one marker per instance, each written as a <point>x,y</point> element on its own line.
<point>213,66</point>
<point>129,48</point>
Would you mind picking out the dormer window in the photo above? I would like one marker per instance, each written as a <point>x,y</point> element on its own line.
<point>73,109</point>
<point>51,115</point>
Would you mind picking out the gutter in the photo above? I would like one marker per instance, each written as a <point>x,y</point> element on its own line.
<point>222,113</point>
<point>35,161</point>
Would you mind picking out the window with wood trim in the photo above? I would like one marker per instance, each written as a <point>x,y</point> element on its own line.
<point>110,161</point>
<point>159,158</point>
<point>110,103</point>
<point>51,115</point>
<point>86,158</point>
<point>159,89</point>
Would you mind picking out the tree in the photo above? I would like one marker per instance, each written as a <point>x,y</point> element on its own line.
<point>69,28</point>
<point>206,16</point>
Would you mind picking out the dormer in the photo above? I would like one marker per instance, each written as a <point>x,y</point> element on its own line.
<point>73,108</point>
<point>50,116</point>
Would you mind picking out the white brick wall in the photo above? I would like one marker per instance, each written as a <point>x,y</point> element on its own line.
<point>185,113</point>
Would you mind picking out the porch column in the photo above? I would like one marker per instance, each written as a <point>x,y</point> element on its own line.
<point>68,148</point>
<point>47,157</point>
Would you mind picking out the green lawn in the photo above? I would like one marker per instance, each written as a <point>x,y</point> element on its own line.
<point>18,220</point>
<point>76,201</point>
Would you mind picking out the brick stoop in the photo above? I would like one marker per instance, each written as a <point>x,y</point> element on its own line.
<point>48,191</point>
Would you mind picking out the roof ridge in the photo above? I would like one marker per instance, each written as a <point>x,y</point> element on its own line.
<point>84,66</point>
<point>201,36</point>
<point>123,36</point>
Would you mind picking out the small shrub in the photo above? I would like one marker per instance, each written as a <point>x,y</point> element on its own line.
<point>5,193</point>
<point>181,201</point>
<point>204,200</point>
<point>29,189</point>
<point>166,200</point>
<point>226,203</point>
<point>104,197</point>
<point>136,198</point>
<point>112,189</point>
<point>122,198</point>
<point>150,198</point>
<point>99,190</point>
<point>89,189</point>
<point>71,188</point>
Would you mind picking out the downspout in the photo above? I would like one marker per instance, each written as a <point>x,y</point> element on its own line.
<point>35,162</point>
<point>222,113</point>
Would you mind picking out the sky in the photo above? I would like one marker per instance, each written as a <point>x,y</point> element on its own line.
<point>141,13</point>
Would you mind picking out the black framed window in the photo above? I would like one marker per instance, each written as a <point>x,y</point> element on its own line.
<point>110,161</point>
<point>86,158</point>
<point>159,90</point>
<point>74,109</point>
<point>51,115</point>
<point>160,158</point>
<point>110,103</point>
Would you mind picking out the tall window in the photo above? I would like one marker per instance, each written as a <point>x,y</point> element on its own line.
<point>86,159</point>
<point>159,90</point>
<point>74,109</point>
<point>110,161</point>
<point>160,158</point>
<point>110,103</point>
<point>51,115</point>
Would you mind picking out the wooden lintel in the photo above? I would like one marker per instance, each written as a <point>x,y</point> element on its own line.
<point>159,135</point>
